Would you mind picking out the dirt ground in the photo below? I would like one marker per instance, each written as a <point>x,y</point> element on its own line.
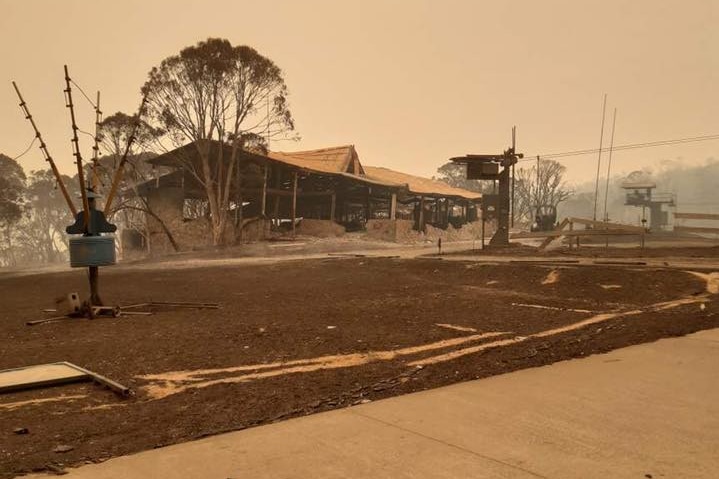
<point>298,337</point>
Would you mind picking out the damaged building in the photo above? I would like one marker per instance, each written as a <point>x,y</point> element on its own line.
<point>320,192</point>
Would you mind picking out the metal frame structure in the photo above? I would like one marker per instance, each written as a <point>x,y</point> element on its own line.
<point>498,168</point>
<point>80,375</point>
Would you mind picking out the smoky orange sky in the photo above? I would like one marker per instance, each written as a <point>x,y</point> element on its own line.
<point>409,83</point>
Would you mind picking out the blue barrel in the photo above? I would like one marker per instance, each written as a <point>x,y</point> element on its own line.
<point>92,251</point>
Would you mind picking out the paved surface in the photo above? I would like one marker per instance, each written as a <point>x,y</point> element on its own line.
<point>644,411</point>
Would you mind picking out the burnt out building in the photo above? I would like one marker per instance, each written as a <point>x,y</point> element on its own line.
<point>327,191</point>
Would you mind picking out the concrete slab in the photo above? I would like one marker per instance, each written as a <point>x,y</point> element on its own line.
<point>35,376</point>
<point>645,411</point>
<point>651,409</point>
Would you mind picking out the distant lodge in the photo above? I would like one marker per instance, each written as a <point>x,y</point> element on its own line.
<point>321,191</point>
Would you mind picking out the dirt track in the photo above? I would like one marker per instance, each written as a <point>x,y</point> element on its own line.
<point>299,337</point>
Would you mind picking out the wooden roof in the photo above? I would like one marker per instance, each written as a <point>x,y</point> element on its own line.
<point>338,159</point>
<point>417,184</point>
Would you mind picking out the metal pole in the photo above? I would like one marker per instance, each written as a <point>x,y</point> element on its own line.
<point>514,146</point>
<point>294,203</point>
<point>483,221</point>
<point>537,191</point>
<point>609,166</point>
<point>599,158</point>
<point>512,196</point>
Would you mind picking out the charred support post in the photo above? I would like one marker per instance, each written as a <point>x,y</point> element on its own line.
<point>276,205</point>
<point>333,206</point>
<point>483,222</point>
<point>239,203</point>
<point>501,237</point>
<point>421,213</point>
<point>393,207</point>
<point>368,204</point>
<point>264,191</point>
<point>294,203</point>
<point>94,287</point>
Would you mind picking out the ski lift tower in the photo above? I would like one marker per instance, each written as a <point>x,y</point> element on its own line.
<point>499,168</point>
<point>641,193</point>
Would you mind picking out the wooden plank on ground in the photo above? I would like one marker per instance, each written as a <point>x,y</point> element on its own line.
<point>696,216</point>
<point>550,239</point>
<point>606,225</point>
<point>556,234</point>
<point>696,229</point>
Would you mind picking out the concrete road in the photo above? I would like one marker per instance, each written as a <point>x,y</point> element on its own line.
<point>647,411</point>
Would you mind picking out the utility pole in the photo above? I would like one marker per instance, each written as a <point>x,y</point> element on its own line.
<point>536,194</point>
<point>609,166</point>
<point>599,159</point>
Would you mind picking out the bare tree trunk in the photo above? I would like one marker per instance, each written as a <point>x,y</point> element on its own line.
<point>12,260</point>
<point>164,227</point>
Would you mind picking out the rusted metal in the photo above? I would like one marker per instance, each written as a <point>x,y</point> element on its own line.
<point>100,379</point>
<point>80,374</point>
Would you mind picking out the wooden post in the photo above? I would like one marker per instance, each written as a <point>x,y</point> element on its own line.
<point>483,221</point>
<point>368,205</point>
<point>294,202</point>
<point>333,206</point>
<point>276,207</point>
<point>393,207</point>
<point>421,213</point>
<point>241,218</point>
<point>264,192</point>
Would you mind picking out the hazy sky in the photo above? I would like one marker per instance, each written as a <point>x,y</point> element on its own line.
<point>409,83</point>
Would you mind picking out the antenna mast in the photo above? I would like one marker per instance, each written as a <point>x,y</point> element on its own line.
<point>609,166</point>
<point>121,166</point>
<point>96,146</point>
<point>76,150</point>
<point>599,159</point>
<point>46,154</point>
<point>514,146</point>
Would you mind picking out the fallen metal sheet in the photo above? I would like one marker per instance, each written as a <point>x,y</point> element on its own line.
<point>39,376</point>
<point>52,374</point>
